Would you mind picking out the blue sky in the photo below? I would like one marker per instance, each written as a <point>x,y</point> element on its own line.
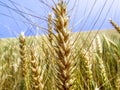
<point>30,16</point>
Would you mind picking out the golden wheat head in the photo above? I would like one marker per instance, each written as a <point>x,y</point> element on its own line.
<point>115,26</point>
<point>64,49</point>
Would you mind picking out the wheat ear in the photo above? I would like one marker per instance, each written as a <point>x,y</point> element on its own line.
<point>36,80</point>
<point>23,62</point>
<point>88,70</point>
<point>50,28</point>
<point>64,48</point>
<point>115,26</point>
<point>103,73</point>
<point>106,83</point>
<point>99,45</point>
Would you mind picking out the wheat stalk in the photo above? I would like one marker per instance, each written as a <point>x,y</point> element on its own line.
<point>65,62</point>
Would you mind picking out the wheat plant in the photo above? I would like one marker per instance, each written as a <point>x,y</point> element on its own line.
<point>61,59</point>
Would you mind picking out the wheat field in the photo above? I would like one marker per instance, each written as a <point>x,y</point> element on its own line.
<point>62,59</point>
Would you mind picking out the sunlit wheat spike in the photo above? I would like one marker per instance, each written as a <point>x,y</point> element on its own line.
<point>23,53</point>
<point>36,81</point>
<point>64,49</point>
<point>24,62</point>
<point>50,27</point>
<point>88,69</point>
<point>106,82</point>
<point>115,26</point>
<point>99,44</point>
